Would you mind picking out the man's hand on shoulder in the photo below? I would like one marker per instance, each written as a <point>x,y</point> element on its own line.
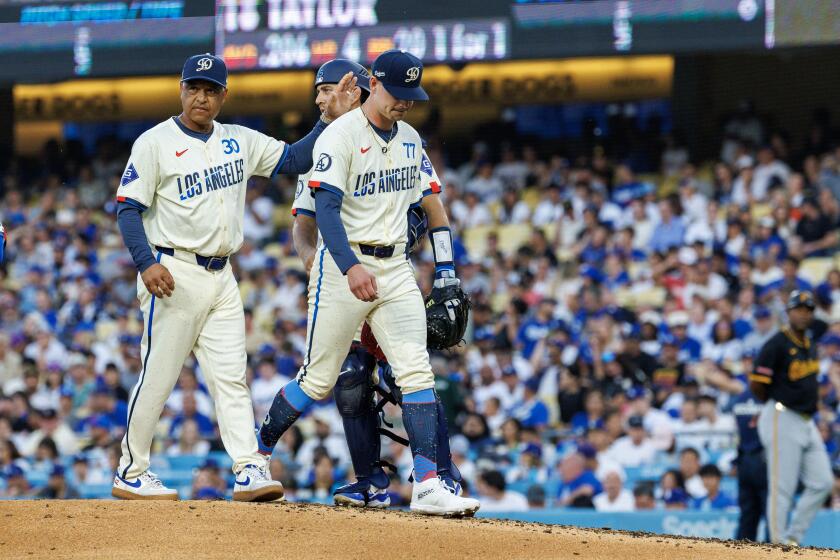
<point>341,99</point>
<point>158,280</point>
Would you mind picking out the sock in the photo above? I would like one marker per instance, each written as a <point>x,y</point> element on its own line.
<point>287,407</point>
<point>420,416</point>
<point>445,467</point>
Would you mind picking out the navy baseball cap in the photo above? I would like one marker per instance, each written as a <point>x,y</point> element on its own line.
<point>400,72</point>
<point>205,67</point>
<point>331,73</point>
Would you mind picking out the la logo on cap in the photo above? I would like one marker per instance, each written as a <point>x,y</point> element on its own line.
<point>413,73</point>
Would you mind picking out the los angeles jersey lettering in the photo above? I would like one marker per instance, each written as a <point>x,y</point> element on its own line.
<point>195,190</point>
<point>377,187</point>
<point>304,203</point>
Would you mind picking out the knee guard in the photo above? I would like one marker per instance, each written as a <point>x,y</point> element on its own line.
<point>354,388</point>
<point>354,397</point>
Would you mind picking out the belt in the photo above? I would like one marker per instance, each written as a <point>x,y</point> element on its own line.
<point>207,263</point>
<point>804,415</point>
<point>378,251</point>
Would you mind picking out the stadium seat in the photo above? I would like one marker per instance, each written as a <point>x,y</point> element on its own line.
<point>815,270</point>
<point>282,216</point>
<point>531,197</point>
<point>475,239</point>
<point>185,462</point>
<point>95,491</point>
<point>514,236</point>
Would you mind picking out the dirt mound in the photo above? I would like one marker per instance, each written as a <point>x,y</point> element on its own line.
<point>110,529</point>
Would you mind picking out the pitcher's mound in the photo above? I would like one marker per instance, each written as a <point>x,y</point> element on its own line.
<point>191,530</point>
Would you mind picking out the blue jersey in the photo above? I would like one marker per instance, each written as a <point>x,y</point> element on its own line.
<point>530,333</point>
<point>689,350</point>
<point>746,409</point>
<point>721,501</point>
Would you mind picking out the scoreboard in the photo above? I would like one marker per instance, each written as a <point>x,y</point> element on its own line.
<point>280,34</point>
<point>60,39</point>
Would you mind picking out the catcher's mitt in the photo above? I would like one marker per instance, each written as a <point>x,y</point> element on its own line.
<point>447,312</point>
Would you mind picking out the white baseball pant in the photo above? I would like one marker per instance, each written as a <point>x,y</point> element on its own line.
<point>204,315</point>
<point>397,318</point>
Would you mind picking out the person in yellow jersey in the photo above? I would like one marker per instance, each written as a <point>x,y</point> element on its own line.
<point>366,177</point>
<point>785,380</point>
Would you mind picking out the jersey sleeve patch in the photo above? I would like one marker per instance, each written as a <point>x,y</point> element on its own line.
<point>129,175</point>
<point>426,165</point>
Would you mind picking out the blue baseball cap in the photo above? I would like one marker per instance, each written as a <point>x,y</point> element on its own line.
<point>57,470</point>
<point>400,73</point>
<point>205,67</point>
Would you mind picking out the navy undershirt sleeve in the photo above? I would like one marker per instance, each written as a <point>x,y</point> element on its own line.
<point>297,158</point>
<point>134,236</point>
<point>328,218</point>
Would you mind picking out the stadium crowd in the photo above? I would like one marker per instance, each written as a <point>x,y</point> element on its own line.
<point>615,316</point>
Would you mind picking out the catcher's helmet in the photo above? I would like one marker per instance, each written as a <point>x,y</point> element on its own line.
<point>331,73</point>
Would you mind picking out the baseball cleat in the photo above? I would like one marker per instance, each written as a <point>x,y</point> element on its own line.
<point>147,486</point>
<point>433,497</point>
<point>253,484</point>
<point>360,494</point>
<point>451,484</point>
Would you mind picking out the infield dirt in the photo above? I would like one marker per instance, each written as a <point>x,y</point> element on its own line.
<point>191,530</point>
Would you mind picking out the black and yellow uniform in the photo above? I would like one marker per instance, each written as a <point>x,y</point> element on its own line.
<point>789,366</point>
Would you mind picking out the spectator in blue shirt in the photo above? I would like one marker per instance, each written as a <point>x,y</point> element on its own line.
<point>678,327</point>
<point>616,272</point>
<point>593,414</point>
<point>531,412</point>
<point>670,230</point>
<point>578,485</point>
<point>768,241</point>
<point>715,499</point>
<point>790,280</point>
<point>204,424</point>
<point>536,328</point>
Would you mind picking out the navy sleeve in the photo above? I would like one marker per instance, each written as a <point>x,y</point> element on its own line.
<point>134,236</point>
<point>328,218</point>
<point>297,157</point>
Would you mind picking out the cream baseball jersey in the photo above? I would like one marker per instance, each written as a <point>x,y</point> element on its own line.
<point>378,182</point>
<point>194,190</point>
<point>305,201</point>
